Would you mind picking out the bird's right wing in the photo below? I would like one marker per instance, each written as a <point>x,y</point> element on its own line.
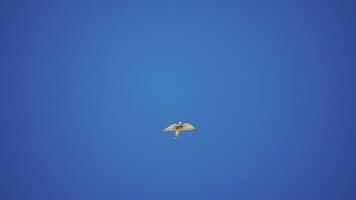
<point>170,128</point>
<point>188,127</point>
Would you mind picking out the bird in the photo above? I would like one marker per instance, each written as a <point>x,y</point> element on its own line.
<point>178,127</point>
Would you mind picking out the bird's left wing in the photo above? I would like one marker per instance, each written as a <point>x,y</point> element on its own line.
<point>188,127</point>
<point>170,128</point>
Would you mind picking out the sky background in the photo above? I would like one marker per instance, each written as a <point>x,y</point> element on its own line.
<point>87,86</point>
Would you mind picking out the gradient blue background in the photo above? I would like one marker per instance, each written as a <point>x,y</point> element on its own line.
<point>87,86</point>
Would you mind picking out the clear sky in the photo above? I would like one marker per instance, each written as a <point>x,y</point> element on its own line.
<point>87,86</point>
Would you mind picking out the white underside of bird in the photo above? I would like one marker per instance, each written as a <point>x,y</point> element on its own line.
<point>178,127</point>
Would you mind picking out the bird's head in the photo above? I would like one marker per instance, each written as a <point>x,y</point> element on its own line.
<point>179,123</point>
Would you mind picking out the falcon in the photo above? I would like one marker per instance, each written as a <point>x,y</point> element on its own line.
<point>178,127</point>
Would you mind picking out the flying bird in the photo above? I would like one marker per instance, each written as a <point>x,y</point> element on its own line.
<point>178,127</point>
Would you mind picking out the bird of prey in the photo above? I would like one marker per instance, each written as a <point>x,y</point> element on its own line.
<point>178,127</point>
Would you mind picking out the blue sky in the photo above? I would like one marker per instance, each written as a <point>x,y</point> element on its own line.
<point>87,86</point>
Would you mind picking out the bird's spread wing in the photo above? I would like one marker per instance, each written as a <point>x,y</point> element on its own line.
<point>188,127</point>
<point>170,128</point>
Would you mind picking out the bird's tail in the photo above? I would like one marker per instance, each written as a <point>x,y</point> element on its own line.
<point>177,134</point>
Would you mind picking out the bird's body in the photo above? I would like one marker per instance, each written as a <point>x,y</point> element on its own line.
<point>178,127</point>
